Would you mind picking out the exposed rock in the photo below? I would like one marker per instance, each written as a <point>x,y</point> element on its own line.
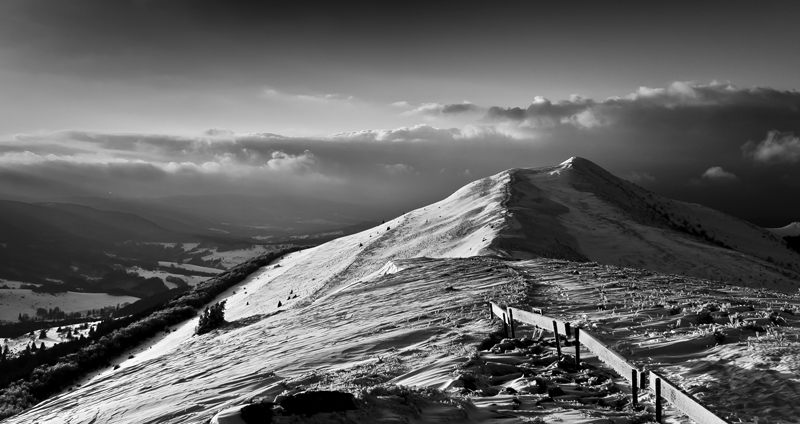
<point>257,413</point>
<point>310,403</point>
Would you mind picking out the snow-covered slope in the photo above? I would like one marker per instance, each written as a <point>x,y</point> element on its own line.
<point>348,301</point>
<point>791,230</point>
<point>578,210</point>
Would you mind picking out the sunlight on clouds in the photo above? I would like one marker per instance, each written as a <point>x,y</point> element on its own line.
<point>778,147</point>
<point>274,94</point>
<point>677,89</point>
<point>397,169</point>
<point>637,136</point>
<point>717,173</point>
<point>439,109</point>
<point>282,161</point>
<point>28,157</point>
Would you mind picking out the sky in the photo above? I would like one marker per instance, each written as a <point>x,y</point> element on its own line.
<point>397,102</point>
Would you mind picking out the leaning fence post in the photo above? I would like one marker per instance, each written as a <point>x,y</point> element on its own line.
<point>658,400</point>
<point>578,347</point>
<point>491,312</point>
<point>505,325</point>
<point>634,388</point>
<point>558,341</point>
<point>566,329</point>
<point>511,323</point>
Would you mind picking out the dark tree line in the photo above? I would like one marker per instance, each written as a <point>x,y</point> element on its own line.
<point>793,242</point>
<point>31,377</point>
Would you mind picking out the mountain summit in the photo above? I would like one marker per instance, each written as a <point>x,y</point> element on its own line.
<point>392,304</point>
<point>577,210</point>
<point>791,230</point>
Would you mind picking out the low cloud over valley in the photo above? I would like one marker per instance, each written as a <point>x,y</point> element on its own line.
<point>661,138</point>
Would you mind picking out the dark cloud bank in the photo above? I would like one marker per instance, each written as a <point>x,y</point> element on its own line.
<point>735,149</point>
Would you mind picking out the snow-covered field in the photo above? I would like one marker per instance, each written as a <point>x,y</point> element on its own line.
<point>234,257</point>
<point>16,301</point>
<point>192,280</point>
<point>53,337</point>
<point>404,303</point>
<point>190,267</point>
<point>14,284</point>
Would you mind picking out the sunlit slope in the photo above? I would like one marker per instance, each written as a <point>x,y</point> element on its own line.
<point>791,230</point>
<point>337,310</point>
<point>461,225</point>
<point>577,210</point>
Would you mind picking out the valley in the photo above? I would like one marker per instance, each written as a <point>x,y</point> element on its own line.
<point>404,303</point>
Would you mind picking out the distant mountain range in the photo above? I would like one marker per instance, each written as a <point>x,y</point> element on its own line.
<point>75,242</point>
<point>262,218</point>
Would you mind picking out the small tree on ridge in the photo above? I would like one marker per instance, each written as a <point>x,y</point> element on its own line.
<point>212,317</point>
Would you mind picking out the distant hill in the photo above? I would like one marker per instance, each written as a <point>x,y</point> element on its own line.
<point>46,242</point>
<point>80,247</point>
<point>791,230</point>
<point>103,225</point>
<point>273,218</point>
<point>413,290</point>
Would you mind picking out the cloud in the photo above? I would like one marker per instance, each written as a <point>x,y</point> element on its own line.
<point>274,94</point>
<point>397,169</point>
<point>641,177</point>
<point>439,109</point>
<point>283,162</point>
<point>679,103</point>
<point>426,133</point>
<point>218,132</point>
<point>778,147</point>
<point>417,133</point>
<point>324,98</point>
<point>542,113</point>
<point>718,174</point>
<point>670,132</point>
<point>350,166</point>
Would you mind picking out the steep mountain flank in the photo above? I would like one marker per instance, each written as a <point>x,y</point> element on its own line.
<point>404,302</point>
<point>577,210</point>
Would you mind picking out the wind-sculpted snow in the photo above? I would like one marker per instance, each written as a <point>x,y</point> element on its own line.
<point>410,313</point>
<point>412,290</point>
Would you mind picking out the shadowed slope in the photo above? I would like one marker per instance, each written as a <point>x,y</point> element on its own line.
<point>578,210</point>
<point>343,302</point>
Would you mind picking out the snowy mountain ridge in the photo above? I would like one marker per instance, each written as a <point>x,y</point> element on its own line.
<point>418,283</point>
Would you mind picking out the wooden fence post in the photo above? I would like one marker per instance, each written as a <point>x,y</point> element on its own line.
<point>658,400</point>
<point>505,326</point>
<point>578,348</point>
<point>491,312</point>
<point>642,380</point>
<point>558,340</point>
<point>566,329</point>
<point>634,388</point>
<point>511,323</point>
